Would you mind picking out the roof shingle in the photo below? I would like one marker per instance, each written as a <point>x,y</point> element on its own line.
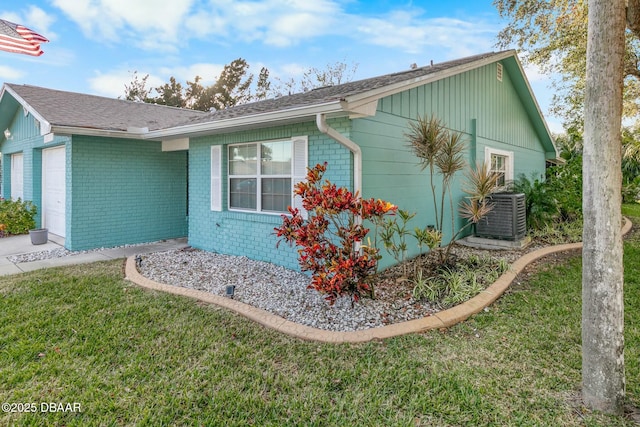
<point>61,108</point>
<point>333,93</point>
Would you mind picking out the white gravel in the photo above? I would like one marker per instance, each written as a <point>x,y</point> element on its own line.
<point>273,288</point>
<point>58,253</point>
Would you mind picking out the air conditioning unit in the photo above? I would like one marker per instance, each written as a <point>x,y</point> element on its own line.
<point>507,220</point>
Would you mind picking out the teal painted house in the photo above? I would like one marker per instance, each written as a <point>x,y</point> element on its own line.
<point>82,161</point>
<point>244,161</point>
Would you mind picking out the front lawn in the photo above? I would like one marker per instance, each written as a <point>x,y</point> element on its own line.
<point>129,356</point>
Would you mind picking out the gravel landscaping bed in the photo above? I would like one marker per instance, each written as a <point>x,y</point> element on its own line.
<point>284,292</point>
<point>273,288</point>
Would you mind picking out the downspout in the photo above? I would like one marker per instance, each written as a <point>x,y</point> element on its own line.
<point>323,127</point>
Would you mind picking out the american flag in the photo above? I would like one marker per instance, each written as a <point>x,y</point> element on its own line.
<point>19,39</point>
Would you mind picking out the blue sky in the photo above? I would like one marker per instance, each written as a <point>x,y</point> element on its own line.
<point>95,45</point>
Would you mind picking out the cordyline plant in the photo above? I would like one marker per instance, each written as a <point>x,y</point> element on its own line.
<point>330,239</point>
<point>441,152</point>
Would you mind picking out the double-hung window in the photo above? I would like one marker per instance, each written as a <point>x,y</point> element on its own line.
<point>262,175</point>
<point>501,163</point>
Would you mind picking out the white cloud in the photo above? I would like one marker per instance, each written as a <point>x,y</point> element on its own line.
<point>411,33</point>
<point>9,73</point>
<point>112,84</point>
<point>168,24</point>
<point>534,73</point>
<point>150,24</point>
<point>208,72</point>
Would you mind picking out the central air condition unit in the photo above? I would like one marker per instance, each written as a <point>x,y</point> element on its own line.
<point>507,220</point>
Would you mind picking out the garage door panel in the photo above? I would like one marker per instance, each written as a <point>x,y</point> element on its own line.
<point>17,176</point>
<point>54,190</point>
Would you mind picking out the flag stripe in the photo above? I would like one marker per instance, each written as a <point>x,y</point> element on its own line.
<point>20,46</point>
<point>30,35</point>
<point>19,39</point>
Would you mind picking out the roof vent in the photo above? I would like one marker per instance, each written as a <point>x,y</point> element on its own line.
<point>499,72</point>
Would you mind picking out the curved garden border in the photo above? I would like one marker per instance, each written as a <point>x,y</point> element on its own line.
<point>442,319</point>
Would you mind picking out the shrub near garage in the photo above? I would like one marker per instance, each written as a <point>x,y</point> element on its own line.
<point>17,216</point>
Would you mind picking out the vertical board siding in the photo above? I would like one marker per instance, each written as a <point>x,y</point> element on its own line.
<point>392,172</point>
<point>125,191</point>
<point>245,233</point>
<point>476,94</point>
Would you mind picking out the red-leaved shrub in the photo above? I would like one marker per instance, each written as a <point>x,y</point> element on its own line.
<point>330,239</point>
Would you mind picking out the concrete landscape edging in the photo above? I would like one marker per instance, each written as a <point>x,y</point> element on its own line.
<point>442,319</point>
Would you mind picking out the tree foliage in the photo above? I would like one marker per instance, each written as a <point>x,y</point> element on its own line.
<point>234,86</point>
<point>171,94</point>
<point>137,90</point>
<point>553,35</point>
<point>333,74</point>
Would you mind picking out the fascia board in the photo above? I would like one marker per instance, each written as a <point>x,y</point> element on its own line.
<point>250,121</point>
<point>73,130</point>
<point>45,126</point>
<point>537,106</point>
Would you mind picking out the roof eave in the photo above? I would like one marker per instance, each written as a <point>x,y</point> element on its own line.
<point>45,126</point>
<point>272,118</point>
<point>540,124</point>
<point>75,130</point>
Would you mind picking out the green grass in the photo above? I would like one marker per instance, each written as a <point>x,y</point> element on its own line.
<point>136,357</point>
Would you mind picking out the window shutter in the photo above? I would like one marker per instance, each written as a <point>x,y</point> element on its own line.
<point>299,169</point>
<point>216,177</point>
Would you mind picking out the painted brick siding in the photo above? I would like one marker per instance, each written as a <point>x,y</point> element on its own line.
<point>245,233</point>
<point>124,191</point>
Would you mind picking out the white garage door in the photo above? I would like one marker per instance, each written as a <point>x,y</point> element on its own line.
<point>53,190</point>
<point>17,163</point>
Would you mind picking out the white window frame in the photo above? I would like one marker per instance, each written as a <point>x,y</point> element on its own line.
<point>508,174</point>
<point>298,171</point>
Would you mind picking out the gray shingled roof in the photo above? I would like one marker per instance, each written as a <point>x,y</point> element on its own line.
<point>334,93</point>
<point>72,109</point>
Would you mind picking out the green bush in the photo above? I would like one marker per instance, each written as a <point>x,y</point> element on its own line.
<point>564,182</point>
<point>541,207</point>
<point>631,191</point>
<point>18,217</point>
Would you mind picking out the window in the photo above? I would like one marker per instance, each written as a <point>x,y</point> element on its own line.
<point>262,175</point>
<point>501,163</point>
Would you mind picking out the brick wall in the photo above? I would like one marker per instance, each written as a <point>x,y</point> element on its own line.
<point>245,233</point>
<point>124,191</point>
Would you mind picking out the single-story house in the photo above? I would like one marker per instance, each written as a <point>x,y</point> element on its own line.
<point>106,172</point>
<point>81,160</point>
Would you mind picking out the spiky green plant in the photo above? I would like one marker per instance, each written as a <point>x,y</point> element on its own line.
<point>441,152</point>
<point>426,138</point>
